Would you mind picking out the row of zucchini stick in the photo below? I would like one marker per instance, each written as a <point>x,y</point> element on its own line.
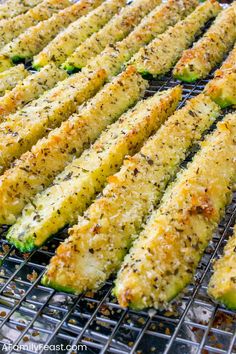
<point>18,133</point>
<point>170,13</point>
<point>82,262</point>
<point>76,45</point>
<point>205,54</point>
<point>79,21</point>
<point>174,41</point>
<point>21,130</point>
<point>29,39</point>
<point>16,146</point>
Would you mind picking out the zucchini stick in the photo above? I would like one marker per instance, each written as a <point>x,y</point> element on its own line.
<point>35,38</point>
<point>222,287</point>
<point>11,28</point>
<point>12,8</point>
<point>222,88</point>
<point>166,254</point>
<point>68,40</point>
<point>197,62</point>
<point>117,215</point>
<point>113,57</point>
<point>162,53</point>
<point>75,187</point>
<point>30,88</point>
<point>21,130</point>
<point>115,30</point>
<point>10,78</point>
<point>37,169</point>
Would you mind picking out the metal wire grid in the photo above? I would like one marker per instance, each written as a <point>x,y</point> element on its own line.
<point>32,314</point>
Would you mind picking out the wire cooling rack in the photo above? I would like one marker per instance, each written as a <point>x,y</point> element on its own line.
<point>33,316</point>
<point>37,319</point>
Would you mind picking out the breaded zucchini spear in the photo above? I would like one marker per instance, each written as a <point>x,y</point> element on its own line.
<point>68,40</point>
<point>113,57</point>
<point>21,130</point>
<point>10,78</point>
<point>222,286</point>
<point>115,30</point>
<point>166,254</point>
<point>11,8</point>
<point>73,190</point>
<point>197,62</point>
<point>36,169</point>
<point>98,244</point>
<point>30,88</point>
<point>35,38</point>
<point>11,28</point>
<point>162,53</point>
<point>222,88</point>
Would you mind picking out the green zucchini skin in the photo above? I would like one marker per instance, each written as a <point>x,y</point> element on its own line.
<point>39,167</point>
<point>156,22</point>
<point>186,77</point>
<point>222,286</point>
<point>116,217</point>
<point>56,286</point>
<point>78,31</point>
<point>115,30</point>
<point>172,242</point>
<point>22,129</point>
<point>162,53</point>
<point>197,62</point>
<point>222,88</point>
<point>16,59</point>
<point>12,27</point>
<point>35,38</point>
